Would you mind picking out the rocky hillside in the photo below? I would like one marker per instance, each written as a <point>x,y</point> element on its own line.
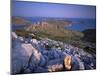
<point>46,46</point>
<point>46,55</point>
<point>90,35</point>
<point>54,29</point>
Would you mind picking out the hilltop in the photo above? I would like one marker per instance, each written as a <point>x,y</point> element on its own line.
<point>54,29</point>
<point>19,21</point>
<point>51,28</point>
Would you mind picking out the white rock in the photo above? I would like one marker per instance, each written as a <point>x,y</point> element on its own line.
<point>28,48</point>
<point>19,57</point>
<point>14,35</point>
<point>55,65</point>
<point>21,38</point>
<point>34,41</point>
<point>21,53</point>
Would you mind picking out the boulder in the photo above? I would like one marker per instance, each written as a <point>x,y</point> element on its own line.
<point>67,62</point>
<point>24,55</point>
<point>55,65</point>
<point>14,35</point>
<point>34,41</point>
<point>19,58</point>
<point>77,64</point>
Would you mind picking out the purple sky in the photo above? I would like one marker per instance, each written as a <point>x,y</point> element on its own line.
<point>31,9</point>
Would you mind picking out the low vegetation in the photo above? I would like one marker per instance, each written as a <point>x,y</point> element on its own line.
<point>55,31</point>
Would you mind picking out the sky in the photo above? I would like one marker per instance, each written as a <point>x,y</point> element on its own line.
<point>31,9</point>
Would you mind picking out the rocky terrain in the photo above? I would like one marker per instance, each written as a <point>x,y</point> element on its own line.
<point>46,55</point>
<point>53,29</point>
<point>45,46</point>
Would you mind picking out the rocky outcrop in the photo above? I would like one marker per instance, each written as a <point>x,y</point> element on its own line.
<point>34,56</point>
<point>67,62</point>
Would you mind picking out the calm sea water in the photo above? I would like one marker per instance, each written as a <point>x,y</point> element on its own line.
<point>78,24</point>
<point>82,24</point>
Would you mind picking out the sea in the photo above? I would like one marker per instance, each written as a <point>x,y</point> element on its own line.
<point>78,24</point>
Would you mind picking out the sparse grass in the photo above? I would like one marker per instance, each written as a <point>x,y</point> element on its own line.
<point>22,33</point>
<point>58,34</point>
<point>51,32</point>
